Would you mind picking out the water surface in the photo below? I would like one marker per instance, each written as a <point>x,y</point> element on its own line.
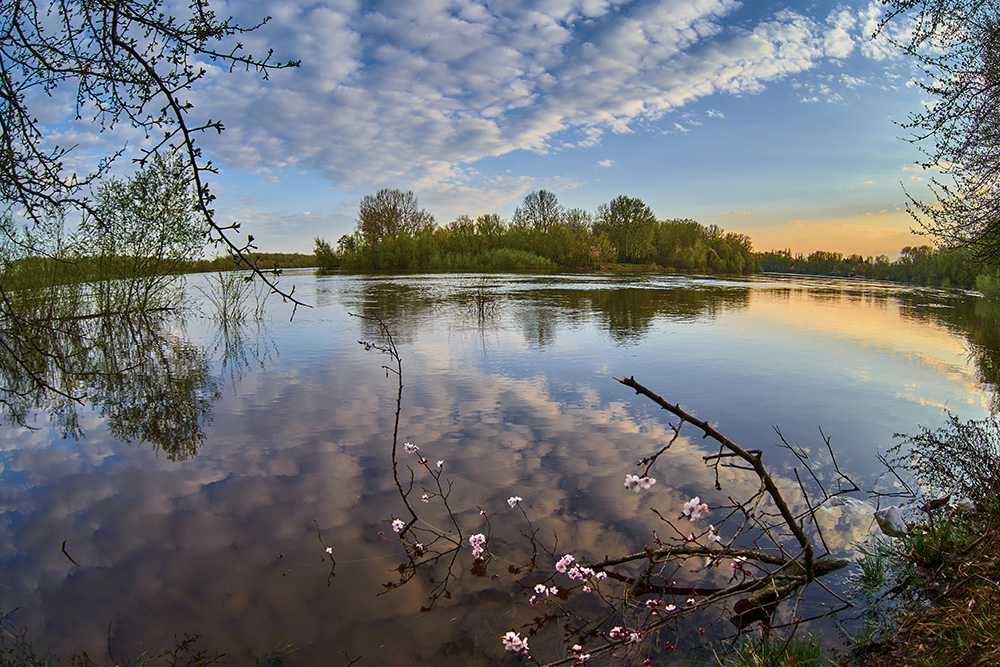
<point>285,448</point>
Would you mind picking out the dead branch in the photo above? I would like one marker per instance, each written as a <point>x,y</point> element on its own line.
<point>753,459</point>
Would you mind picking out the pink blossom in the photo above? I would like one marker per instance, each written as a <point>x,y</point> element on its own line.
<point>425,498</point>
<point>478,544</point>
<point>397,525</point>
<point>636,484</point>
<point>695,509</point>
<point>513,500</point>
<point>410,448</point>
<point>563,563</point>
<point>513,642</point>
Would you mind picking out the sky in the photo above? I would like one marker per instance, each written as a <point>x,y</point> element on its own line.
<point>776,120</point>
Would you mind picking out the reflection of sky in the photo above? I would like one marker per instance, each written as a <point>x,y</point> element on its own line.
<point>225,544</point>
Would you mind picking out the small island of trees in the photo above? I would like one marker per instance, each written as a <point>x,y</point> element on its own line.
<point>393,233</point>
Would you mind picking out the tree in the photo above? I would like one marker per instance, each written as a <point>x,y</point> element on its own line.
<point>539,210</point>
<point>388,213</point>
<point>629,224</point>
<point>130,63</point>
<point>957,44</point>
<point>143,228</point>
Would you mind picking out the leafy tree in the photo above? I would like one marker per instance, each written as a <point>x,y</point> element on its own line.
<point>579,220</point>
<point>388,213</point>
<point>629,224</point>
<point>130,63</point>
<point>489,225</point>
<point>539,210</point>
<point>143,228</point>
<point>957,43</point>
<point>326,257</point>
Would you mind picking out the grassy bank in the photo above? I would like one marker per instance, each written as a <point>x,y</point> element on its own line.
<point>934,591</point>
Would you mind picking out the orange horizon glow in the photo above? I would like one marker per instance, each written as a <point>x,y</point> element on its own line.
<point>867,234</point>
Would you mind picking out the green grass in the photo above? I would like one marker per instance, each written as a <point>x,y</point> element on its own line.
<point>768,651</point>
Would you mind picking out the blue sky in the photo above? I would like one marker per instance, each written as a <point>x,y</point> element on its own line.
<point>771,119</point>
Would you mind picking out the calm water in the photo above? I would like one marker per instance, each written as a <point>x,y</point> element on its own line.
<point>201,496</point>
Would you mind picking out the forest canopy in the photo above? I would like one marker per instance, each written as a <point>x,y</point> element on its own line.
<point>542,235</point>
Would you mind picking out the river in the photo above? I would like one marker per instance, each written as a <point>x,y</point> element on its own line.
<point>240,485</point>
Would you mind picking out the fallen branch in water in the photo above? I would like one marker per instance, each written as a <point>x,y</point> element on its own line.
<point>751,457</point>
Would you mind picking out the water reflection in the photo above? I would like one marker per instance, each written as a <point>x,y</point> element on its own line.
<point>152,385</point>
<point>508,382</point>
<point>137,369</point>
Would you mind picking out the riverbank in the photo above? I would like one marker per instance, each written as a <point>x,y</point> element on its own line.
<point>935,589</point>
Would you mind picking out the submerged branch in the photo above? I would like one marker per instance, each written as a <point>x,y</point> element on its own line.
<point>753,458</point>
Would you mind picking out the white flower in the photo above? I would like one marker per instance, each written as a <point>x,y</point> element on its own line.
<point>695,509</point>
<point>329,550</point>
<point>397,525</point>
<point>410,448</point>
<point>478,544</point>
<point>713,534</point>
<point>636,484</point>
<point>513,500</point>
<point>440,463</point>
<point>563,563</point>
<point>425,498</point>
<point>513,642</point>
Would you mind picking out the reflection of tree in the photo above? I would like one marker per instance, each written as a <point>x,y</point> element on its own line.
<point>539,324</point>
<point>401,306</point>
<point>63,351</point>
<point>629,313</point>
<point>153,385</point>
<point>978,320</point>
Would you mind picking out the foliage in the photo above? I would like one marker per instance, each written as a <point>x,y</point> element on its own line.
<point>629,225</point>
<point>766,651</point>
<point>540,210</point>
<point>943,601</point>
<point>143,228</point>
<point>389,213</point>
<point>265,261</point>
<point>957,45</point>
<point>920,265</point>
<point>960,457</point>
<point>543,236</point>
<point>129,63</point>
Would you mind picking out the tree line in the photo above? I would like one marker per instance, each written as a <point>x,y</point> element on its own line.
<point>392,232</point>
<point>917,265</point>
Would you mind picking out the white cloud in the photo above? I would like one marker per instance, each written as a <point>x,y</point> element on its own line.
<point>416,92</point>
<point>606,163</point>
